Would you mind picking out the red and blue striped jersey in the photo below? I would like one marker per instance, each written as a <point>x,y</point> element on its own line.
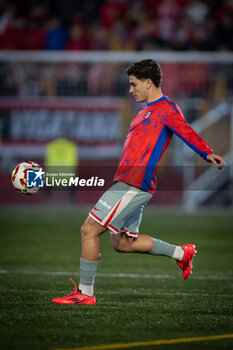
<point>148,138</point>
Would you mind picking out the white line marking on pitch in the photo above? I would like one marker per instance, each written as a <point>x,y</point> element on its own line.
<point>115,275</point>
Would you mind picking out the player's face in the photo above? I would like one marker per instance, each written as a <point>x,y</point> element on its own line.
<point>138,88</point>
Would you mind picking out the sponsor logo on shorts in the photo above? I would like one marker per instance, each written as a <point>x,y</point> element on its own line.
<point>97,209</point>
<point>105,204</point>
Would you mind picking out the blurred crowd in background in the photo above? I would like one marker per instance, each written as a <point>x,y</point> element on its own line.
<point>117,25</point>
<point>41,96</point>
<point>72,79</point>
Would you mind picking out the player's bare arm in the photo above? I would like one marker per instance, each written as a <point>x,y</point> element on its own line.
<point>216,159</point>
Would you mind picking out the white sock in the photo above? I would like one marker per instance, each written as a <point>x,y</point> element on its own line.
<point>178,253</point>
<point>87,290</point>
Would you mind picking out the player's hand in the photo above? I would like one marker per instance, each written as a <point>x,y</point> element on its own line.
<point>215,159</point>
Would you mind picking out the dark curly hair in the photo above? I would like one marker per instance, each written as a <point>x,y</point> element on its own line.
<point>146,69</point>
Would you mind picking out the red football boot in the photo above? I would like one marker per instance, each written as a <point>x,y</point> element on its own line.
<point>75,298</point>
<point>187,263</point>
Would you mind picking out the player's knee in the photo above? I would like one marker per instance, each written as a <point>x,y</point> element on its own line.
<point>120,248</point>
<point>119,244</point>
<point>91,229</point>
<point>115,242</point>
<point>85,231</point>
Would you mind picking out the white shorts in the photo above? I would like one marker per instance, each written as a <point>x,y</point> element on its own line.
<point>120,208</point>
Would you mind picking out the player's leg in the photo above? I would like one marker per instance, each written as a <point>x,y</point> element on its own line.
<point>90,255</point>
<point>93,227</point>
<point>146,245</point>
<point>130,242</point>
<point>129,221</point>
<point>125,244</point>
<point>90,232</point>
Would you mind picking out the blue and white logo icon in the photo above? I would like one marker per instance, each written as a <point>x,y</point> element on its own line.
<point>35,178</point>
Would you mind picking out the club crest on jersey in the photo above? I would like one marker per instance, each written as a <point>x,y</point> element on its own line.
<point>148,114</point>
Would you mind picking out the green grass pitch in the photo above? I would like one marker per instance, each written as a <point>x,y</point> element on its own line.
<point>139,297</point>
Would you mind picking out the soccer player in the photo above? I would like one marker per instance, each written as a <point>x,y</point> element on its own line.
<point>120,209</point>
